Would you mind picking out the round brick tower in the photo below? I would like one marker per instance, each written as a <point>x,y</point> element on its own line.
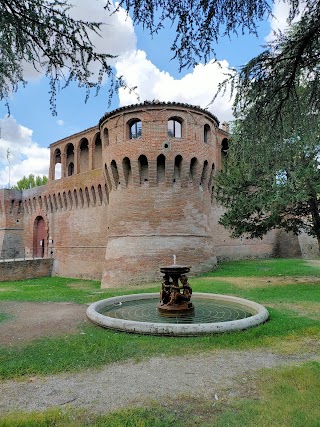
<point>159,161</point>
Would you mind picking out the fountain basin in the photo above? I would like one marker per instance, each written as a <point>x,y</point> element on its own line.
<point>258,315</point>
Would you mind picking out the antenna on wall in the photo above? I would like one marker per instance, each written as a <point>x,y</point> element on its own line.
<point>8,158</point>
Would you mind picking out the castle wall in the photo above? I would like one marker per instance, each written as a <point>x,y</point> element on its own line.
<point>160,189</point>
<point>133,192</point>
<point>227,248</point>
<point>74,211</point>
<point>11,224</point>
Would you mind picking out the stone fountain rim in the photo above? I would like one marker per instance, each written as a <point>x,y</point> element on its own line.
<point>260,315</point>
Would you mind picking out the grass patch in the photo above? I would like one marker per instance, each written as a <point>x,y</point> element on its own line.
<point>266,267</point>
<point>282,397</point>
<point>136,417</point>
<point>4,317</point>
<point>93,346</point>
<point>286,397</point>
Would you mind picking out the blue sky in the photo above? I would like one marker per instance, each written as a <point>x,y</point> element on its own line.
<point>143,61</point>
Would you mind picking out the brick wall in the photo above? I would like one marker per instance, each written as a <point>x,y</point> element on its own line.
<point>124,206</point>
<point>28,269</point>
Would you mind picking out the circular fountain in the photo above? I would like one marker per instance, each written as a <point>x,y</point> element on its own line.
<point>176,315</point>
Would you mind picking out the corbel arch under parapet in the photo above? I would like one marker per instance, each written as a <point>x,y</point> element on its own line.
<point>115,173</point>
<point>205,174</point>
<point>194,171</point>
<point>127,171</point>
<point>161,168</point>
<point>143,169</point>
<point>177,169</point>
<point>100,195</point>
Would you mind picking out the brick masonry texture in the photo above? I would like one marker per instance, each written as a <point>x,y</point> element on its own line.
<point>131,195</point>
<point>27,269</point>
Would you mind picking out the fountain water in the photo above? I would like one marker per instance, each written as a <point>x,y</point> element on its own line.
<point>176,315</point>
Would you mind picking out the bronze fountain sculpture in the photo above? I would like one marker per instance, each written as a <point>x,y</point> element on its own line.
<point>175,298</point>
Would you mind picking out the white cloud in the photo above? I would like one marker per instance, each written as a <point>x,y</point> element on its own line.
<point>117,36</point>
<point>197,87</point>
<point>279,20</point>
<point>60,122</point>
<point>26,156</point>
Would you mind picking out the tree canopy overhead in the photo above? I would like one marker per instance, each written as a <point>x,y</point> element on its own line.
<point>276,74</point>
<point>198,23</point>
<point>271,177</point>
<point>42,33</point>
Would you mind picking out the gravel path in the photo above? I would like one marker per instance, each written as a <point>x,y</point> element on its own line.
<point>126,384</point>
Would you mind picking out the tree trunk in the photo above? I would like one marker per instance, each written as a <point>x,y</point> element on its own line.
<point>314,210</point>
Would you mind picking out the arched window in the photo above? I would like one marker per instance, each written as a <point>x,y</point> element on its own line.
<point>97,157</point>
<point>57,164</point>
<point>175,127</point>
<point>70,169</point>
<point>135,128</point>
<point>224,147</point>
<point>106,136</point>
<point>206,134</point>
<point>69,159</point>
<point>84,155</point>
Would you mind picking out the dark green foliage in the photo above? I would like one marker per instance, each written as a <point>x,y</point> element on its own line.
<point>30,182</point>
<point>198,24</point>
<point>271,177</point>
<point>272,79</point>
<point>42,33</point>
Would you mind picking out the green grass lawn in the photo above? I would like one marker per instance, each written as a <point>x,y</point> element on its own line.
<point>290,289</point>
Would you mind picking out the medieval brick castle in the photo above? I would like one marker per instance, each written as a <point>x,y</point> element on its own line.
<point>126,195</point>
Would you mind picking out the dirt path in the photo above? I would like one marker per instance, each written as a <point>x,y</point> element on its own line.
<point>31,320</point>
<point>222,373</point>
